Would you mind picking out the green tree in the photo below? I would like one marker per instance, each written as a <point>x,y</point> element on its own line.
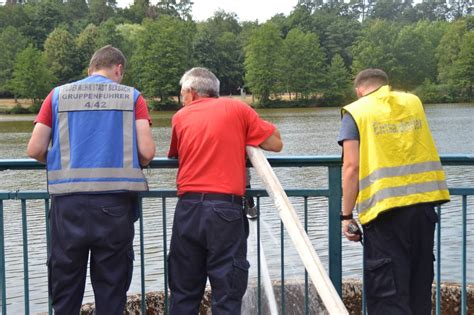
<point>392,10</point>
<point>109,35</point>
<point>302,63</point>
<point>432,10</point>
<point>338,83</point>
<point>415,59</point>
<point>432,32</point>
<point>177,8</point>
<point>374,48</point>
<point>11,43</point>
<point>448,50</point>
<point>31,76</point>
<point>101,10</point>
<point>162,56</point>
<point>217,46</point>
<point>262,60</point>
<point>61,56</point>
<point>87,44</point>
<point>339,36</point>
<point>44,17</point>
<point>13,15</point>
<point>222,21</point>
<point>76,9</point>
<point>129,34</point>
<point>463,68</point>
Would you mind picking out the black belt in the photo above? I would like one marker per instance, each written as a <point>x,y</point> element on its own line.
<point>220,197</point>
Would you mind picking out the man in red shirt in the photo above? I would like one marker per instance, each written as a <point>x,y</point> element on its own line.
<point>210,228</point>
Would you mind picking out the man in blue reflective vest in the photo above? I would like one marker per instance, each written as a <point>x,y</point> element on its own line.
<point>100,138</point>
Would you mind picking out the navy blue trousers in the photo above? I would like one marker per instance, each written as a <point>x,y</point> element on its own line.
<point>99,224</point>
<point>398,257</point>
<point>209,240</point>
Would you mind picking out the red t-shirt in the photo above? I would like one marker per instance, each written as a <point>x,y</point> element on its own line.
<point>45,115</point>
<point>209,138</point>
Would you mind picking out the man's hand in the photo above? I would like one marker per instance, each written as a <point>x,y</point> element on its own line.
<point>354,237</point>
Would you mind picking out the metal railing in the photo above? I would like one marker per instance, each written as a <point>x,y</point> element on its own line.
<point>333,193</point>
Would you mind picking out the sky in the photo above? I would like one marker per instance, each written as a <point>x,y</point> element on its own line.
<point>246,10</point>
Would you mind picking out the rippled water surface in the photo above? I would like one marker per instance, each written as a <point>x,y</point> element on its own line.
<point>305,132</point>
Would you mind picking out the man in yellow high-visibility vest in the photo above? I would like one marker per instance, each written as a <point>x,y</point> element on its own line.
<point>393,176</point>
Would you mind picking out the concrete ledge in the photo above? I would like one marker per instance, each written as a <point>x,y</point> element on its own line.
<point>294,299</point>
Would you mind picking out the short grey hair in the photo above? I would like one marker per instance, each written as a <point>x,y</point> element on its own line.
<point>371,76</point>
<point>202,81</point>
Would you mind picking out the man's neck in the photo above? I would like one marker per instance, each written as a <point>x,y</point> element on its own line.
<point>364,91</point>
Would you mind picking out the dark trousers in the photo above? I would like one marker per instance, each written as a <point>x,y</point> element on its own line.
<point>101,224</point>
<point>398,258</point>
<point>209,240</point>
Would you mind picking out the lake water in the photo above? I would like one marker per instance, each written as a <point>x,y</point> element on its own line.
<point>305,132</point>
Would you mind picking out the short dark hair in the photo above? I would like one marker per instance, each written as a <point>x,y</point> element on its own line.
<point>371,77</point>
<point>106,57</point>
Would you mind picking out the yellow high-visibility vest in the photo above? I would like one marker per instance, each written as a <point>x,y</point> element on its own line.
<point>398,162</point>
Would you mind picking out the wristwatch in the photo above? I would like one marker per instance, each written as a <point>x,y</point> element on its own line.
<point>346,217</point>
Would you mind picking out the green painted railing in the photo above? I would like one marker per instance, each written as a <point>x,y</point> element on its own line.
<point>333,192</point>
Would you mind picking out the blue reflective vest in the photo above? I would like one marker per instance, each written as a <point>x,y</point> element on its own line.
<point>94,143</point>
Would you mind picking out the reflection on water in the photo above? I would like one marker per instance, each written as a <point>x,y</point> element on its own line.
<point>304,131</point>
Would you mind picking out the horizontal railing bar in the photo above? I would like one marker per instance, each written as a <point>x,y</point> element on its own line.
<point>463,191</point>
<point>275,161</point>
<point>171,193</point>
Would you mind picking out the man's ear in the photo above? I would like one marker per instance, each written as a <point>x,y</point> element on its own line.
<point>119,71</point>
<point>194,94</point>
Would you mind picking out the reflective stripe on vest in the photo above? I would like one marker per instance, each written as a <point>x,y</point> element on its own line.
<point>95,97</point>
<point>398,162</point>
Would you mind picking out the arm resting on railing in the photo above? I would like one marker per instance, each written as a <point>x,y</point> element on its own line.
<point>39,142</point>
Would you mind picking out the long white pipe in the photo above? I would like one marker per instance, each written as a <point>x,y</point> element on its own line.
<point>300,239</point>
<point>267,281</point>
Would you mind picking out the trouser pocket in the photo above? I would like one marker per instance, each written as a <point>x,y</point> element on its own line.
<point>379,280</point>
<point>130,259</point>
<point>240,275</point>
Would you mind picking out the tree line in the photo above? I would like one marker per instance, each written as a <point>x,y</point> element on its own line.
<point>310,55</point>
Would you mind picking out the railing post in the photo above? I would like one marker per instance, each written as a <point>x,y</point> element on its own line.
<point>464,257</point>
<point>335,247</point>
<point>142,257</point>
<point>282,259</point>
<point>259,291</point>
<point>26,281</point>
<point>3,286</point>
<point>438,263</point>
<point>48,247</point>
<point>165,254</point>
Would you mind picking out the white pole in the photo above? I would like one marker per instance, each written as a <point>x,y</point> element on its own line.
<point>315,269</point>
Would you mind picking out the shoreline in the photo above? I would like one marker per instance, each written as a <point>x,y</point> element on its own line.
<point>6,105</point>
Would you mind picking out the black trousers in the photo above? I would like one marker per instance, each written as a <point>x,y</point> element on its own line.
<point>101,224</point>
<point>209,240</point>
<point>398,261</point>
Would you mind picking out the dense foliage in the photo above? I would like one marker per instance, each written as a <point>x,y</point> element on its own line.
<point>309,55</point>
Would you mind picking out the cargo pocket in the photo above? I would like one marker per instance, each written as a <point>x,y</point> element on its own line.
<point>379,280</point>
<point>240,275</point>
<point>130,259</point>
